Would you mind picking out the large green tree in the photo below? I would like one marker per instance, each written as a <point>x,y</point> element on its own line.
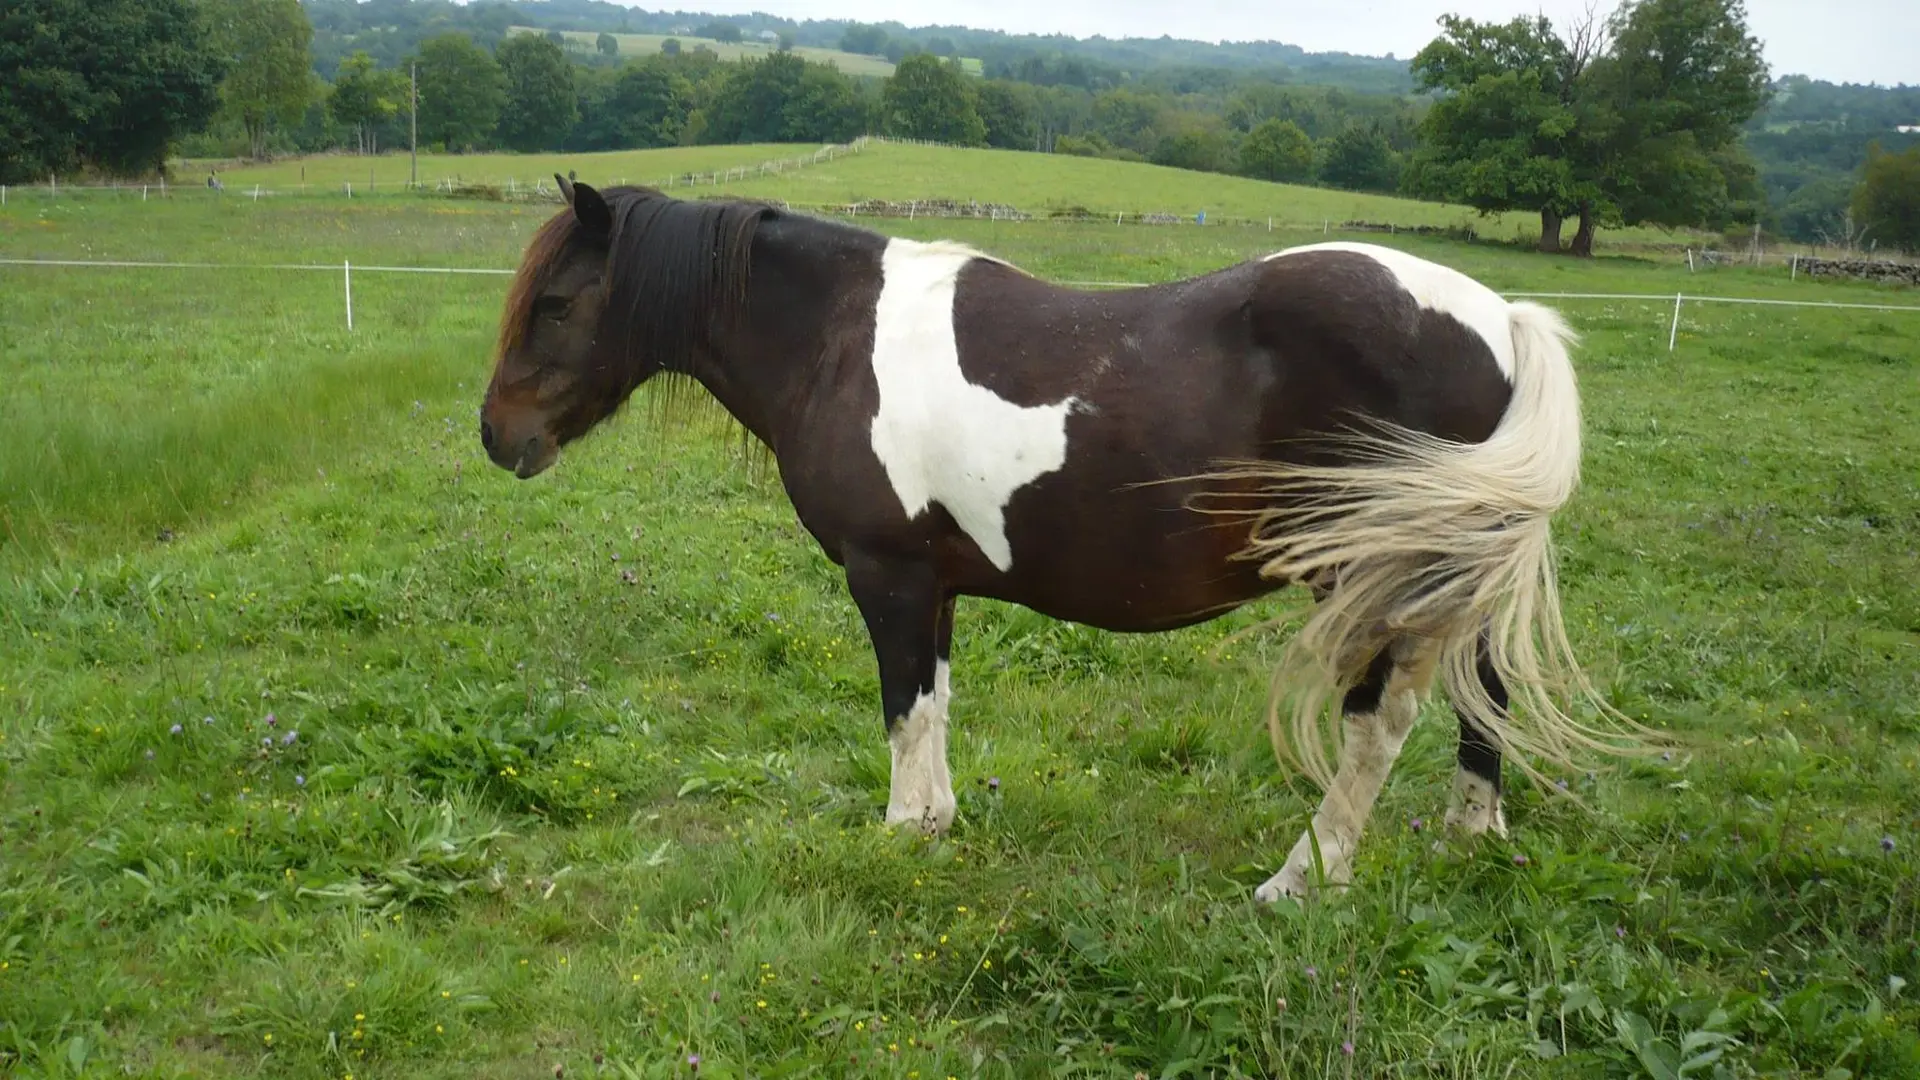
<point>1503,134</point>
<point>1632,121</point>
<point>462,91</point>
<point>1009,110</point>
<point>103,84</point>
<point>783,98</point>
<point>1887,202</point>
<point>266,45</point>
<point>540,107</point>
<point>1277,150</point>
<point>930,98</point>
<point>1359,158</point>
<point>365,97</point>
<point>1662,113</point>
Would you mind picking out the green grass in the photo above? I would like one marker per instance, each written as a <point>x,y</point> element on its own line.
<point>391,170</point>
<point>589,768</point>
<point>641,45</point>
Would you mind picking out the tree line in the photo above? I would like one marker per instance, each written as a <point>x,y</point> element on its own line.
<point>1647,116</point>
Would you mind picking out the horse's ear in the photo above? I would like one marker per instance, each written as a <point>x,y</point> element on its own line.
<point>589,206</point>
<point>566,187</point>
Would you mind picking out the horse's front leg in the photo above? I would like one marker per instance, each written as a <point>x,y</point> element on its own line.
<point>910,621</point>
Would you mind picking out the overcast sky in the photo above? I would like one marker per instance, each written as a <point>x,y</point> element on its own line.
<point>1840,40</point>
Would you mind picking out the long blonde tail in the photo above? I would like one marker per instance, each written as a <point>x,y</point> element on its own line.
<point>1442,542</point>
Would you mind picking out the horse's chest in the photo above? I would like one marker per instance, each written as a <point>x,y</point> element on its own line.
<point>938,437</point>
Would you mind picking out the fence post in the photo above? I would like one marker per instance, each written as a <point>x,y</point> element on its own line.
<point>256,193</point>
<point>1689,260</point>
<point>1674,336</point>
<point>1794,275</point>
<point>347,266</point>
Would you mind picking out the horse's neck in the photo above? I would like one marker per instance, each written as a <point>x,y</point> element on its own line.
<point>761,370</point>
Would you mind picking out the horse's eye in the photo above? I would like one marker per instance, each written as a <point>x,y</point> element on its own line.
<point>552,307</point>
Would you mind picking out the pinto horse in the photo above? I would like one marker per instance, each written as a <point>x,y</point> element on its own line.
<point>1381,429</point>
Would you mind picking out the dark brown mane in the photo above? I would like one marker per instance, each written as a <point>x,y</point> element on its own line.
<point>536,268</point>
<point>676,271</point>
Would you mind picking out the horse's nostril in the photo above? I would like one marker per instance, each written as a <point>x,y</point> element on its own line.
<point>486,435</point>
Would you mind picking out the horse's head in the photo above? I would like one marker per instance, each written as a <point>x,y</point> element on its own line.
<point>551,381</point>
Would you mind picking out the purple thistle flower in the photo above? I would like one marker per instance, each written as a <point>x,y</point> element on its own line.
<point>175,730</point>
<point>693,1062</point>
<point>1312,972</point>
<point>1519,859</point>
<point>1417,824</point>
<point>1561,783</point>
<point>287,739</point>
<point>1620,932</point>
<point>272,720</point>
<point>993,783</point>
<point>1347,1048</point>
<point>1886,844</point>
<point>300,780</point>
<point>266,741</point>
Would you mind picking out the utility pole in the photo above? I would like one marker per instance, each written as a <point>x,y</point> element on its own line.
<point>413,141</point>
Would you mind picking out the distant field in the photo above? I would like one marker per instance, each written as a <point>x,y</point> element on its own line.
<point>1042,182</point>
<point>392,169</point>
<point>632,45</point>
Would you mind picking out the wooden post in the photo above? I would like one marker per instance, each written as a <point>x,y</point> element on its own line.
<point>347,266</point>
<point>1673,338</point>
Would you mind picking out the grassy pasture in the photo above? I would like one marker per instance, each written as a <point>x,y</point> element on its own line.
<point>639,45</point>
<point>480,778</point>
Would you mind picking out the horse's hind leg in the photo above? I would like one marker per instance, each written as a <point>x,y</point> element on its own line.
<point>1475,807</point>
<point>1376,716</point>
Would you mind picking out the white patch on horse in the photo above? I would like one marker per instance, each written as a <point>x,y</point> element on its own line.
<point>922,790</point>
<point>1438,288</point>
<point>940,438</point>
<point>1475,809</point>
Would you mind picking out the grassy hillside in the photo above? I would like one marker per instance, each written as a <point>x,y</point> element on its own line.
<point>1038,183</point>
<point>326,749</point>
<point>636,45</point>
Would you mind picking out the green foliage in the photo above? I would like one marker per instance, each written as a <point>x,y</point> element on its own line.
<point>643,105</point>
<point>1503,137</point>
<point>364,97</point>
<point>540,108</point>
<point>1887,203</point>
<point>1128,118</point>
<point>720,30</point>
<point>1644,132</point>
<point>265,45</point>
<point>1359,158</point>
<point>864,40</point>
<point>783,98</point>
<point>462,92</point>
<point>1277,150</point>
<point>670,47</point>
<point>930,98</point>
<point>1010,111</point>
<point>606,44</point>
<point>1682,77</point>
<point>101,84</point>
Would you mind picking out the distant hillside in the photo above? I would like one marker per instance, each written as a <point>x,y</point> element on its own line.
<point>389,29</point>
